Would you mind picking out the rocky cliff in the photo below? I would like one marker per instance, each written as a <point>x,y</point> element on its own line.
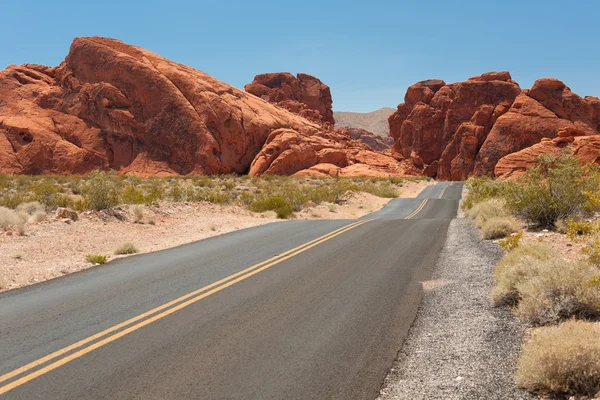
<point>453,131</point>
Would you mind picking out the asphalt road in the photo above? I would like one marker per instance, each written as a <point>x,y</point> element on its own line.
<point>291,310</point>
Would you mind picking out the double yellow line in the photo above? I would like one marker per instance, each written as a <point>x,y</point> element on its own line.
<point>421,206</point>
<point>85,346</point>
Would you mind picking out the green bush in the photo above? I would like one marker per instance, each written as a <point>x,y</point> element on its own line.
<point>100,192</point>
<point>511,242</point>
<point>559,187</point>
<point>132,195</point>
<point>481,189</point>
<point>95,258</point>
<point>278,204</point>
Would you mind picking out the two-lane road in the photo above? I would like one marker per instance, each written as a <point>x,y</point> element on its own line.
<point>291,310</point>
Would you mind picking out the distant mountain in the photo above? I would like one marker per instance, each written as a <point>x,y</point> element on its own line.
<point>374,121</point>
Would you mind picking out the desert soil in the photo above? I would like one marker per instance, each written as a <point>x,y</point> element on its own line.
<point>53,248</point>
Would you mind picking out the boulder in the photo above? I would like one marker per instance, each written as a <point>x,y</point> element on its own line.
<point>302,94</point>
<point>66,214</point>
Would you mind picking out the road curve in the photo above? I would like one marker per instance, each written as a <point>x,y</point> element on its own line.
<point>291,310</point>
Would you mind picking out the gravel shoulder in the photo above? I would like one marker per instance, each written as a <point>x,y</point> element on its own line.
<point>459,347</point>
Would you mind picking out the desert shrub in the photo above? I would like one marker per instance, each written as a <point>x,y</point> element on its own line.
<point>560,290</point>
<point>487,209</point>
<point>8,218</point>
<point>559,187</point>
<point>481,189</point>
<point>577,229</point>
<point>127,248</point>
<point>278,204</point>
<point>138,214</point>
<point>592,250</point>
<point>511,242</point>
<point>154,194</point>
<point>515,267</point>
<point>100,192</point>
<point>38,216</point>
<point>95,258</point>
<point>175,194</point>
<point>562,359</point>
<point>132,195</point>
<point>31,207</point>
<point>12,200</point>
<point>499,227</point>
<point>381,189</point>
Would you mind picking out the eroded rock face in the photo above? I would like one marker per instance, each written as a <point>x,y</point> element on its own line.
<point>586,148</point>
<point>302,94</point>
<point>462,129</point>
<point>286,152</point>
<point>441,127</point>
<point>110,105</point>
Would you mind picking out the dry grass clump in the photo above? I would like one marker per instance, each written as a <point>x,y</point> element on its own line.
<point>558,291</point>
<point>544,288</point>
<point>138,214</point>
<point>127,248</point>
<point>10,219</point>
<point>562,359</point>
<point>499,227</point>
<point>487,209</point>
<point>515,267</point>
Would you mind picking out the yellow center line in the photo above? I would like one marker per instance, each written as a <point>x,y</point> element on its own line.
<point>443,191</point>
<point>418,209</point>
<point>229,281</point>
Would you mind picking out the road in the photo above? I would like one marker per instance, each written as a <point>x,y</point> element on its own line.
<point>289,310</point>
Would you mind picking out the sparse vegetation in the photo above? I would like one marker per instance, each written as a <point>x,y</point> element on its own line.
<point>514,268</point>
<point>101,190</point>
<point>127,248</point>
<point>511,242</point>
<point>96,258</point>
<point>281,206</point>
<point>559,290</point>
<point>499,227</point>
<point>562,359</point>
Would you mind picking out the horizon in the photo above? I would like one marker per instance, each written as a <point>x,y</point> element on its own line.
<point>351,48</point>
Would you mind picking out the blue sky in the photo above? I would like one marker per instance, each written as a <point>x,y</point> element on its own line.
<point>368,52</point>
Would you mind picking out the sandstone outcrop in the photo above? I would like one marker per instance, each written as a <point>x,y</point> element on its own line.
<point>286,152</point>
<point>586,148</point>
<point>302,94</point>
<point>110,105</point>
<point>462,129</point>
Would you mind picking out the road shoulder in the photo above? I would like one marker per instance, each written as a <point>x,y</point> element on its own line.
<point>459,347</point>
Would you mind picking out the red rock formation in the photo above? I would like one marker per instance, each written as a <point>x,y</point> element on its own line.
<point>441,127</point>
<point>110,105</point>
<point>368,138</point>
<point>586,148</point>
<point>454,131</point>
<point>286,152</point>
<point>304,95</point>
